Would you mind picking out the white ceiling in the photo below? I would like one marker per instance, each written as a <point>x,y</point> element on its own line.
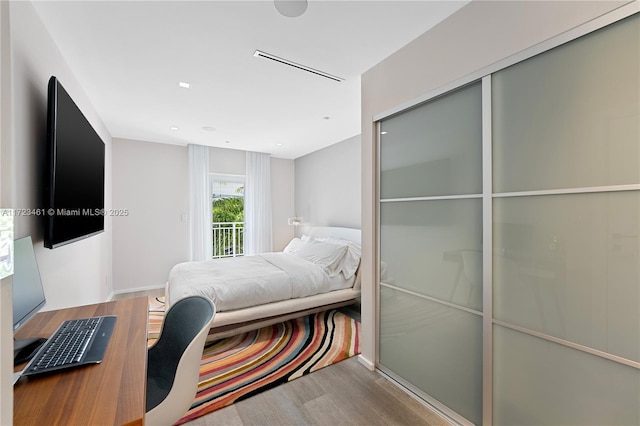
<point>130,56</point>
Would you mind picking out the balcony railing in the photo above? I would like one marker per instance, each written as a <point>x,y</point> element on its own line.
<point>227,239</point>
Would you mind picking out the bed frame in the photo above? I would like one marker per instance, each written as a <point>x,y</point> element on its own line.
<point>229,323</point>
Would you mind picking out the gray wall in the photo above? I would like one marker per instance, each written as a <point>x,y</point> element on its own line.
<point>151,181</point>
<point>327,186</point>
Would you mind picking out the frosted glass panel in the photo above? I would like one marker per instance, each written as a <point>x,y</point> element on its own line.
<point>436,348</point>
<point>435,148</point>
<point>537,382</point>
<point>569,117</point>
<point>569,266</point>
<point>434,248</point>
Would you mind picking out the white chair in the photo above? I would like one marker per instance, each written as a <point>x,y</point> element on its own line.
<point>173,362</point>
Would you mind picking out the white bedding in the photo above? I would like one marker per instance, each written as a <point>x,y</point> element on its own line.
<point>240,282</point>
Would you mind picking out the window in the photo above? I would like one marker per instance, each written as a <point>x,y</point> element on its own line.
<point>227,214</point>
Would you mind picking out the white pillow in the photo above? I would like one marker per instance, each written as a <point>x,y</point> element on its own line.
<point>293,246</point>
<point>350,262</point>
<point>324,254</point>
<point>351,259</point>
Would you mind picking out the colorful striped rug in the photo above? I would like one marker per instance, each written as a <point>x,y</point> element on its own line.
<point>156,316</point>
<point>241,366</point>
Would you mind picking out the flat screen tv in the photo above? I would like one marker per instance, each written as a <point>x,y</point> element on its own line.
<point>75,180</point>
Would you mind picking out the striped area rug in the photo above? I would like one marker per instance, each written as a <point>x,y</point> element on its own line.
<point>156,316</point>
<point>237,367</point>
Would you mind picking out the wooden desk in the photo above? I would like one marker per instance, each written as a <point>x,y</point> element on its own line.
<point>109,393</point>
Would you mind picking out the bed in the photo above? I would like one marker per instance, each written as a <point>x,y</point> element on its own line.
<point>316,272</point>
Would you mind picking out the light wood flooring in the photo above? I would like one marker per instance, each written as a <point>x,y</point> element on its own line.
<point>345,393</point>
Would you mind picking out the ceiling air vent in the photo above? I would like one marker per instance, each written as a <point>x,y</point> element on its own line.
<point>261,54</point>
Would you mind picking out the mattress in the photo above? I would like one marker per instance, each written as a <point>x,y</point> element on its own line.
<point>241,282</point>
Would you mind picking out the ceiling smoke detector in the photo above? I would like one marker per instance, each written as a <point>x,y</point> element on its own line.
<point>290,8</point>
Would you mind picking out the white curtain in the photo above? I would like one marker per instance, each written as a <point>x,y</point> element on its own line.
<point>257,204</point>
<point>200,203</point>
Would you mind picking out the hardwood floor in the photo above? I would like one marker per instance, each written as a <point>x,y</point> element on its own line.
<point>345,393</point>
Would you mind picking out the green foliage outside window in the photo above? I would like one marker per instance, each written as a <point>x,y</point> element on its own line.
<point>225,212</point>
<point>228,210</point>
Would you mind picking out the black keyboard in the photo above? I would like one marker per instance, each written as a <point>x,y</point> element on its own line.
<point>76,342</point>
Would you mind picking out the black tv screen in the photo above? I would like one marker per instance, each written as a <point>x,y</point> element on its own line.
<point>75,187</point>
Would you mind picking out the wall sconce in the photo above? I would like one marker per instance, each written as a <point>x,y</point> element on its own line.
<point>295,221</point>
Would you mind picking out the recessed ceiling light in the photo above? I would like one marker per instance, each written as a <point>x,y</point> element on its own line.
<point>174,128</point>
<point>208,129</point>
<point>278,144</point>
<point>227,141</point>
<point>326,118</point>
<point>383,133</point>
<point>183,84</point>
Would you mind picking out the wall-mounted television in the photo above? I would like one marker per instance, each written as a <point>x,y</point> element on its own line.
<point>75,179</point>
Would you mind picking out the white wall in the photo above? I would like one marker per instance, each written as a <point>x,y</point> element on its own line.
<point>6,332</point>
<point>150,182</point>
<point>76,274</point>
<point>327,191</point>
<point>227,161</point>
<point>282,201</point>
<point>476,36</point>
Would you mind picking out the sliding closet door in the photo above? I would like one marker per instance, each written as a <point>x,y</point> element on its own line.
<point>430,250</point>
<point>543,215</point>
<point>566,226</point>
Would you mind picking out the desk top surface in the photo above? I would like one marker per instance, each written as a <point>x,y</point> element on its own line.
<point>112,392</point>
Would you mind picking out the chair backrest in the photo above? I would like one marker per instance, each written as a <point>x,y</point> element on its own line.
<point>173,363</point>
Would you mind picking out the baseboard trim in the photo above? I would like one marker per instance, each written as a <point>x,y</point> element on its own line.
<point>133,290</point>
<point>364,361</point>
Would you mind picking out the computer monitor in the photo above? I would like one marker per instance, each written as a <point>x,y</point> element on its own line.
<point>28,297</point>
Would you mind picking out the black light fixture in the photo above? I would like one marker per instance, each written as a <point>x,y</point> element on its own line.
<point>291,8</point>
